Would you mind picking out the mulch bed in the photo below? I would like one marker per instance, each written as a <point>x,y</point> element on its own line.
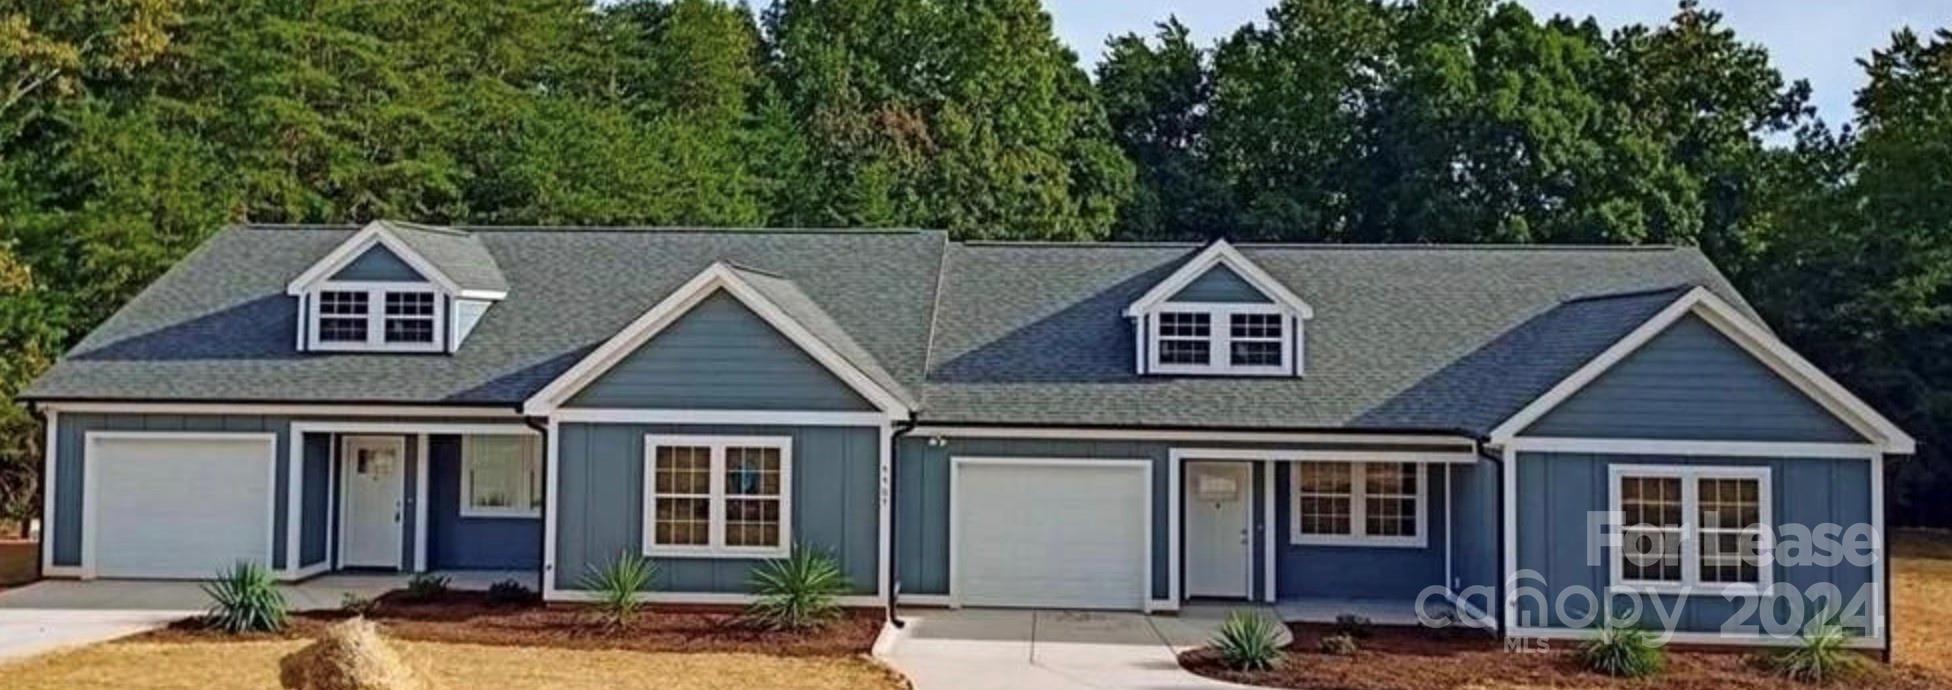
<point>472,618</point>
<point>1395,658</point>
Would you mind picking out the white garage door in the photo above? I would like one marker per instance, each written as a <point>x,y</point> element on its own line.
<point>164,507</point>
<point>1052,534</point>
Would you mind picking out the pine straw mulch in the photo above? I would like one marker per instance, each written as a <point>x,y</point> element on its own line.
<point>472,618</point>
<point>1423,659</point>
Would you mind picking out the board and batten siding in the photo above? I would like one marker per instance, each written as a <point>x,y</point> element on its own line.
<point>720,356</point>
<point>600,502</point>
<point>1220,285</point>
<point>922,521</point>
<point>1556,490</point>
<point>457,542</point>
<point>1692,383</point>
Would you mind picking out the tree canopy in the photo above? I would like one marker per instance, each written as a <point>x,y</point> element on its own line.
<point>132,129</point>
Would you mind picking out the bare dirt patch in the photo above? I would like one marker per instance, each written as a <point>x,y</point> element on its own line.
<point>1420,659</point>
<point>472,618</point>
<point>19,562</point>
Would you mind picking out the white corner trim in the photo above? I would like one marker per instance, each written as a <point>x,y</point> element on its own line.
<point>1731,449</point>
<point>373,233</point>
<point>1751,338</point>
<point>90,477</point>
<point>1508,525</point>
<point>718,276</point>
<point>552,442</point>
<point>1224,254</point>
<point>884,537</point>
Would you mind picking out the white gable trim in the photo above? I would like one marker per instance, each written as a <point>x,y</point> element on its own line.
<point>1753,339</point>
<point>719,276</point>
<point>376,233</point>
<point>1220,254</point>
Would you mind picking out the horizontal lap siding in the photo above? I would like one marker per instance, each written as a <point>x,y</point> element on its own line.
<point>922,522</point>
<point>1555,491</point>
<point>1692,383</point>
<point>600,502</point>
<point>720,356</point>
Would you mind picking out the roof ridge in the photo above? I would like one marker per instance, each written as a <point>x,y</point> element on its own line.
<point>1626,294</point>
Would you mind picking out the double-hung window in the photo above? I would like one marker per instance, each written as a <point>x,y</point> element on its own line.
<point>501,476</point>
<point>1690,528</point>
<point>1222,339</point>
<point>402,317</point>
<point>718,496</point>
<point>1359,504</point>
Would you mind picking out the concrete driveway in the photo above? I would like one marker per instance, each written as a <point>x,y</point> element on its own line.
<point>977,649</point>
<point>57,614</point>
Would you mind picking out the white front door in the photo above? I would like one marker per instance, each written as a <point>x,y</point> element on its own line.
<point>1218,495</point>
<point>372,507</point>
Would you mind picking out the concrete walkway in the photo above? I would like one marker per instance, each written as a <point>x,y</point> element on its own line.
<point>978,649</point>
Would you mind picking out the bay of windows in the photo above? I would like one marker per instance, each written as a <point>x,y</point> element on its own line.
<point>1240,339</point>
<point>354,316</point>
<point>717,496</point>
<point>1690,527</point>
<point>1359,503</point>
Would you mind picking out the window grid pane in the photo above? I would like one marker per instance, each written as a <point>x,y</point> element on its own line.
<point>1730,511</point>
<point>683,483</point>
<point>409,317</point>
<point>1184,338</point>
<point>1390,499</point>
<point>1651,510</point>
<point>1255,340</point>
<point>1327,498</point>
<point>752,488</point>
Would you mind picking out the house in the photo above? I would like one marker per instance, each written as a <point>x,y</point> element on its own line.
<point>1116,426</point>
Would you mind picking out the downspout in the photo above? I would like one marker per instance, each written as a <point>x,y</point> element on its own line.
<point>894,542</point>
<point>541,425</point>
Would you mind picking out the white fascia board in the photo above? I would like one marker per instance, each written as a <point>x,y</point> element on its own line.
<point>1753,339</point>
<point>1463,443</point>
<point>718,276</point>
<point>291,409</point>
<point>374,233</point>
<point>1222,254</point>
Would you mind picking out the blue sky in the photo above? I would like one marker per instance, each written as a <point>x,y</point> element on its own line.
<point>1818,40</point>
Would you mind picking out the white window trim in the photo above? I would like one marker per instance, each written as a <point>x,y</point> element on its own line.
<point>1690,476</point>
<point>1220,339</point>
<point>468,509</point>
<point>717,549</point>
<point>375,317</point>
<point>1358,491</point>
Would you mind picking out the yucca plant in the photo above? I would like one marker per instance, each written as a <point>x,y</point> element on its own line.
<point>244,598</point>
<point>1248,641</point>
<point>798,592</point>
<point>617,586</point>
<point>1623,651</point>
<point>1822,657</point>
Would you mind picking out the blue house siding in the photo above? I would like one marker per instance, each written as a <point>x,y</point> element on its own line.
<point>1691,382</point>
<point>456,542</point>
<point>1556,491</point>
<point>1474,558</point>
<point>314,532</point>
<point>378,264</point>
<point>1220,284</point>
<point>720,356</point>
<point>1362,572</point>
<point>600,502</point>
<point>922,522</point>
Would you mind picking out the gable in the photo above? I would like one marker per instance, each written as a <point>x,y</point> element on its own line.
<point>720,355</point>
<point>1692,382</point>
<point>378,264</point>
<point>1220,284</point>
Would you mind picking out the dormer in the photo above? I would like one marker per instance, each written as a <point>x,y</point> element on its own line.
<point>397,287</point>
<point>1220,315</point>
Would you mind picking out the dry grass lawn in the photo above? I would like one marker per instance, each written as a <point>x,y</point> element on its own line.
<point>254,666</point>
<point>1921,600</point>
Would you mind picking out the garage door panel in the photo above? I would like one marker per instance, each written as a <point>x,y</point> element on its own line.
<point>178,508</point>
<point>1069,535</point>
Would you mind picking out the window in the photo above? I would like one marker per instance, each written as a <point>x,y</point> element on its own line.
<point>402,317</point>
<point>1224,339</point>
<point>501,476</point>
<point>1359,504</point>
<point>718,496</point>
<point>1700,528</point>
<point>342,316</point>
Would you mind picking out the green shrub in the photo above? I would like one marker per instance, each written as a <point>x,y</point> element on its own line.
<point>1622,651</point>
<point>1248,641</point>
<point>617,586</point>
<point>798,592</point>
<point>509,591</point>
<point>1340,645</point>
<point>357,605</point>
<point>245,599</point>
<point>1822,657</point>
<point>426,586</point>
<point>1352,625</point>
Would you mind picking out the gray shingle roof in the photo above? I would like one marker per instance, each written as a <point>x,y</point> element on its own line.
<point>1427,338</point>
<point>461,256</point>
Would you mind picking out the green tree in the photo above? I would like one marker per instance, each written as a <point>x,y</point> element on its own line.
<point>1157,96</point>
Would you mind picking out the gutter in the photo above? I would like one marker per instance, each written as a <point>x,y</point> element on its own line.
<point>894,544</point>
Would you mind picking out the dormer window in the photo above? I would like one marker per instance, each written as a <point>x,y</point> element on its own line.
<point>352,316</point>
<point>1220,315</point>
